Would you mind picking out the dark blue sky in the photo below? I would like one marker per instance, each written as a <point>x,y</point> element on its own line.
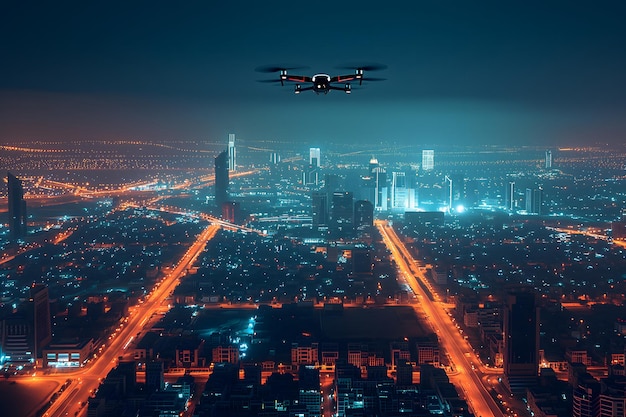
<point>536,72</point>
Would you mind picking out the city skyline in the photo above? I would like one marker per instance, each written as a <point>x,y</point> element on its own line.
<point>457,73</point>
<point>375,271</point>
<point>181,234</point>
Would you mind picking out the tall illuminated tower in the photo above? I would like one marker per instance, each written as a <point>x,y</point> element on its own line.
<point>399,191</point>
<point>428,159</point>
<point>548,159</point>
<point>221,179</point>
<point>315,157</point>
<point>17,207</point>
<point>509,196</point>
<point>232,153</point>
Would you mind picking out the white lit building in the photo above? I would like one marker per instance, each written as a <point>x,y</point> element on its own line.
<point>315,157</point>
<point>428,159</point>
<point>399,191</point>
<point>232,153</point>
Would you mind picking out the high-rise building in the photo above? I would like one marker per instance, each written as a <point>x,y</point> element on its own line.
<point>380,189</point>
<point>342,211</point>
<point>534,203</point>
<point>274,158</point>
<point>17,208</point>
<point>399,191</point>
<point>548,159</point>
<point>319,202</point>
<point>521,340</point>
<point>450,191</point>
<point>458,189</point>
<point>310,175</point>
<point>363,214</point>
<point>232,153</point>
<point>40,307</point>
<point>509,196</point>
<point>428,159</point>
<point>221,179</point>
<point>373,164</point>
<point>315,157</point>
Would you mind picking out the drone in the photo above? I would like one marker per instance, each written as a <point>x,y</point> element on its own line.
<point>322,83</point>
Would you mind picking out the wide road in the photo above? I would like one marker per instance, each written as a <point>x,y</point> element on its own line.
<point>88,379</point>
<point>466,375</point>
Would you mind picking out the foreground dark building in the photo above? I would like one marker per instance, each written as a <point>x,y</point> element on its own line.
<point>521,340</point>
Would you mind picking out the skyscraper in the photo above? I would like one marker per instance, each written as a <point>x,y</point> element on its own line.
<point>17,207</point>
<point>221,179</point>
<point>428,160</point>
<point>399,191</point>
<point>521,339</point>
<point>363,214</point>
<point>310,175</point>
<point>380,189</point>
<point>548,159</point>
<point>315,157</point>
<point>373,164</point>
<point>509,196</point>
<point>319,202</point>
<point>42,325</point>
<point>232,153</point>
<point>534,203</point>
<point>342,211</point>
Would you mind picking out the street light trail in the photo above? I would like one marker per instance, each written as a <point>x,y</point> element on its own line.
<point>89,377</point>
<point>460,352</point>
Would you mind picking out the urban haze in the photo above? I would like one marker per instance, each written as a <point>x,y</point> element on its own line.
<point>440,232</point>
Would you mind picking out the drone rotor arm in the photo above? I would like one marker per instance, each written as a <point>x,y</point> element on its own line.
<point>296,78</point>
<point>344,78</point>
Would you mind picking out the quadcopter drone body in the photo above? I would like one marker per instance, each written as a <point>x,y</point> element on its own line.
<point>322,83</point>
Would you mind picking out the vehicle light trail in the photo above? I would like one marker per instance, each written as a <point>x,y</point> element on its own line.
<point>467,366</point>
<point>107,359</point>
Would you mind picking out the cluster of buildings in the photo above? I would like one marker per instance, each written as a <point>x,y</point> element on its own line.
<point>306,377</point>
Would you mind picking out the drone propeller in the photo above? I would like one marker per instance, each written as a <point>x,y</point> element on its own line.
<point>268,81</point>
<point>277,68</point>
<point>373,79</point>
<point>364,67</point>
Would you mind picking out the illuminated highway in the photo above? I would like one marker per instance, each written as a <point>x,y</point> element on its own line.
<point>88,379</point>
<point>467,375</point>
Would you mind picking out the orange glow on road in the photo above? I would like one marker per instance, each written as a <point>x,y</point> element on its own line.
<point>468,371</point>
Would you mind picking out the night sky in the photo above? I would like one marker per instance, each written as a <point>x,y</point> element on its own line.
<point>459,72</point>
